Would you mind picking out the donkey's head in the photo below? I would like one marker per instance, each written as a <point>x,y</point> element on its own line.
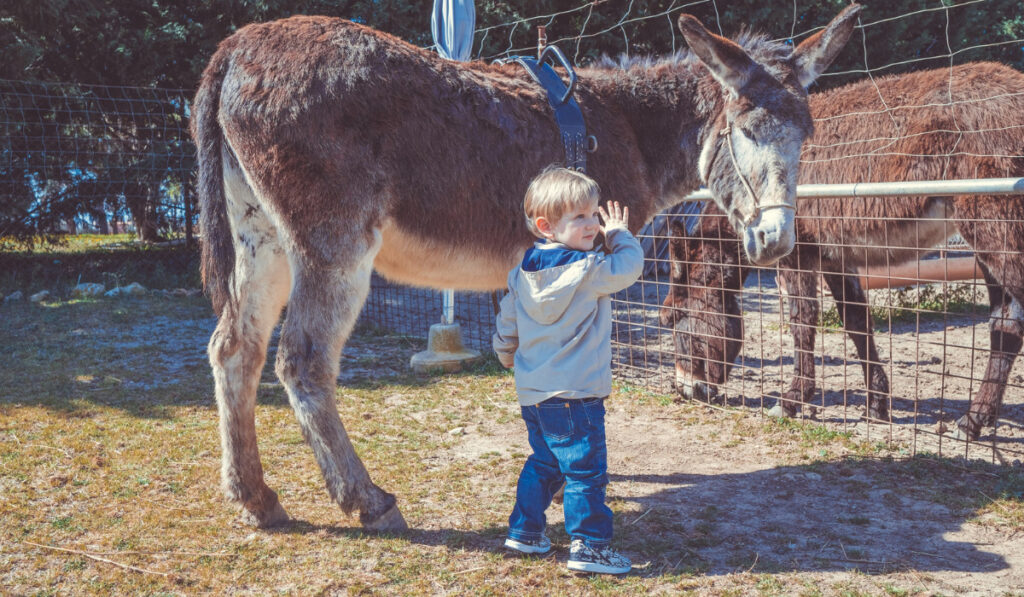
<point>750,155</point>
<point>703,305</point>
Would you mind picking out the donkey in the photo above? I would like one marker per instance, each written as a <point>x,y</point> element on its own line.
<point>963,122</point>
<point>328,149</point>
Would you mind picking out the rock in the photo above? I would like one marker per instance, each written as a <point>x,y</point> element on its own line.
<point>193,292</point>
<point>941,428</point>
<point>87,290</point>
<point>133,289</point>
<point>42,295</point>
<point>14,296</point>
<point>457,431</point>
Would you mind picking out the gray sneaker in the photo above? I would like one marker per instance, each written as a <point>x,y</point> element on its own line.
<point>603,560</point>
<point>542,545</point>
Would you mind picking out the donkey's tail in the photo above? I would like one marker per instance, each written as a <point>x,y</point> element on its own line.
<point>218,252</point>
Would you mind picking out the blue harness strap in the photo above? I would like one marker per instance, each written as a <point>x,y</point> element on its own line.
<point>567,111</point>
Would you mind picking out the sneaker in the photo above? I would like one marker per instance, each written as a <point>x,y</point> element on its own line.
<point>603,560</point>
<point>542,545</point>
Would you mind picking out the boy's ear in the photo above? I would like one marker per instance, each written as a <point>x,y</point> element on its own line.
<point>543,225</point>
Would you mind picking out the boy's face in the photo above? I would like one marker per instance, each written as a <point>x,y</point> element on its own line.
<point>576,229</point>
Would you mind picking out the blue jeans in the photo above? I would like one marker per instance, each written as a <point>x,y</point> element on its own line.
<point>567,437</point>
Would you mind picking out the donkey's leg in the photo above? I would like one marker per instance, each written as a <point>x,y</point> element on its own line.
<point>852,304</point>
<point>1006,335</point>
<point>803,324</point>
<point>238,350</point>
<point>328,292</point>
<point>994,227</point>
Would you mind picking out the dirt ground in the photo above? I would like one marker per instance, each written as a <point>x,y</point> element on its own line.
<point>733,503</point>
<point>748,504</point>
<point>722,493</point>
<point>933,364</point>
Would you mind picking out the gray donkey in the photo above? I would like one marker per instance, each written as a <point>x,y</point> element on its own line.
<point>328,150</point>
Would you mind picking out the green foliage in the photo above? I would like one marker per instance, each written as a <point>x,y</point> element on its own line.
<point>908,304</point>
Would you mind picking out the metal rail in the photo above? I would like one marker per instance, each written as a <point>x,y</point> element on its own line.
<point>971,186</point>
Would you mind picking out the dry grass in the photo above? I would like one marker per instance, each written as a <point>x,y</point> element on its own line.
<point>109,467</point>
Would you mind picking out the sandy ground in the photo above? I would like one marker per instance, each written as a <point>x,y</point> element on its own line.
<point>725,499</point>
<point>934,365</point>
<point>736,503</point>
<point>731,501</point>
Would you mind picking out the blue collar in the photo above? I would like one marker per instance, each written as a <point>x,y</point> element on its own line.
<point>551,255</point>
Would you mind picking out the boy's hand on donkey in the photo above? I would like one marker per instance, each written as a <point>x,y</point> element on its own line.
<point>616,216</point>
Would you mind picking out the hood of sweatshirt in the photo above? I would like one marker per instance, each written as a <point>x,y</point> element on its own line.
<point>548,278</point>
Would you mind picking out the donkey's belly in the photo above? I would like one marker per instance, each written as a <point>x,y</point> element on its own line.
<point>411,259</point>
<point>894,241</point>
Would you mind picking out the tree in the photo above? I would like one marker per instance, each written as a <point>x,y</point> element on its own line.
<point>137,144</point>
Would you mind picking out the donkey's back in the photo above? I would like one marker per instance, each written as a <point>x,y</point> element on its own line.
<point>331,122</point>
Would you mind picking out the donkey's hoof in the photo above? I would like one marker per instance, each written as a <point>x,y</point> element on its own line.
<point>967,429</point>
<point>779,412</point>
<point>878,412</point>
<point>389,522</point>
<point>269,518</point>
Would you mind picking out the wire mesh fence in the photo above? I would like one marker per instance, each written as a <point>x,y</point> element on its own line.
<point>897,354</point>
<point>95,158</point>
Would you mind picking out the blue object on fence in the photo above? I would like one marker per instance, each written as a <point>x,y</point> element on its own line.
<point>452,24</point>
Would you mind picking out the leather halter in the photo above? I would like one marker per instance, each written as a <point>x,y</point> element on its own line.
<point>758,208</point>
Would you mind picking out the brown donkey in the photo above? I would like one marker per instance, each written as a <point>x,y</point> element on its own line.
<point>328,149</point>
<point>964,122</point>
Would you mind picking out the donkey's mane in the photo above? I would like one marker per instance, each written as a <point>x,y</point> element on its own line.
<point>757,45</point>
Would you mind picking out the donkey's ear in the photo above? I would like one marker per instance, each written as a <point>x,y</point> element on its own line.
<point>726,60</point>
<point>813,56</point>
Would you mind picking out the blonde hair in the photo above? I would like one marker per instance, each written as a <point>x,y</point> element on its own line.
<point>555,191</point>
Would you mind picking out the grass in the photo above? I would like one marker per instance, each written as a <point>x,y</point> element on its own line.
<point>907,305</point>
<point>109,448</point>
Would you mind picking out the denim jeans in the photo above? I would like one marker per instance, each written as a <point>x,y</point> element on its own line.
<point>567,437</point>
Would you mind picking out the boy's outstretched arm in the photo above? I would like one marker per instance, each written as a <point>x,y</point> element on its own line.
<point>624,265</point>
<point>506,335</point>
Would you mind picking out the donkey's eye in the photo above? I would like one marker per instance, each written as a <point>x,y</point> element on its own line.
<point>748,134</point>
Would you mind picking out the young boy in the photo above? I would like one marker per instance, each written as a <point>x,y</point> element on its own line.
<point>555,328</point>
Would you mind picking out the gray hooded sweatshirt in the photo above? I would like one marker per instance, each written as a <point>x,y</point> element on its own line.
<point>555,323</point>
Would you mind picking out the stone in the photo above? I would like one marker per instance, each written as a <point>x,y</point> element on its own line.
<point>87,290</point>
<point>133,289</point>
<point>17,295</point>
<point>39,297</point>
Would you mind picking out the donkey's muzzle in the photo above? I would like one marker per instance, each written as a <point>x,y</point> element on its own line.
<point>765,242</point>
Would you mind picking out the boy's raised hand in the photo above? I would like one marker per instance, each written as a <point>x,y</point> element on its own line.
<point>615,217</point>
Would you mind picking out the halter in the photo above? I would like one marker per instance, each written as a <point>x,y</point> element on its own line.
<point>758,208</point>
